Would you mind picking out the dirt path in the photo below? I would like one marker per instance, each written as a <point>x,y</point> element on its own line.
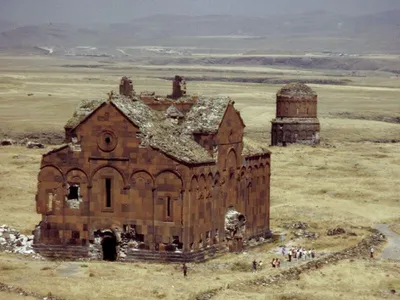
<point>392,249</point>
<point>293,273</point>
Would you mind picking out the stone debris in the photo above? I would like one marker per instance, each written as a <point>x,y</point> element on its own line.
<point>306,234</point>
<point>235,224</point>
<point>7,142</point>
<point>32,145</point>
<point>336,231</point>
<point>12,241</point>
<point>299,225</point>
<point>16,290</point>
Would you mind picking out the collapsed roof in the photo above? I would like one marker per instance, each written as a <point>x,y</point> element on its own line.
<point>157,130</point>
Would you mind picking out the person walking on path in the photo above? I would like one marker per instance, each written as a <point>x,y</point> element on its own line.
<point>184,269</point>
<point>260,264</point>
<point>371,252</point>
<point>254,265</point>
<point>273,263</point>
<point>290,255</point>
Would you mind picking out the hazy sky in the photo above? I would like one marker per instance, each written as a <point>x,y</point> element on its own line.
<point>108,11</point>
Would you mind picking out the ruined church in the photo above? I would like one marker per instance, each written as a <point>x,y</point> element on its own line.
<point>143,176</point>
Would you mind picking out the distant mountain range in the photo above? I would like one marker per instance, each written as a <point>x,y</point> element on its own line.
<point>315,31</point>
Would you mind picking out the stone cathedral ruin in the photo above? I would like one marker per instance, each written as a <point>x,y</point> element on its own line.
<point>143,176</point>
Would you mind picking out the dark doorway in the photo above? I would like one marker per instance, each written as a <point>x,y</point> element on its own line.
<point>109,245</point>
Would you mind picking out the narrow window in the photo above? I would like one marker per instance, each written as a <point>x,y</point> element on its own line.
<point>168,206</point>
<point>108,192</point>
<point>50,199</point>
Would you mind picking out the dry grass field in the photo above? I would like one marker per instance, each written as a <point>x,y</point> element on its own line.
<point>351,180</point>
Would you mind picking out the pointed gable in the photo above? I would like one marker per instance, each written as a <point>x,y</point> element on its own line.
<point>231,127</point>
<point>156,130</point>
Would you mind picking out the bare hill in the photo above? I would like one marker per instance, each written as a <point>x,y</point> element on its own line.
<point>315,31</point>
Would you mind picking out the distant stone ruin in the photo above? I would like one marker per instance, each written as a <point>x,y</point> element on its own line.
<point>296,119</point>
<point>126,87</point>
<point>178,87</point>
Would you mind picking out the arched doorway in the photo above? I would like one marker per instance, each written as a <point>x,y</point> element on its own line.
<point>109,245</point>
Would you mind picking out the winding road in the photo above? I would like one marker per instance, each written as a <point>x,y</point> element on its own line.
<point>392,249</point>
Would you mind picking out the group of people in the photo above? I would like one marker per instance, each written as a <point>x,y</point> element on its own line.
<point>298,253</point>
<point>276,263</point>
<point>256,265</point>
<point>293,252</point>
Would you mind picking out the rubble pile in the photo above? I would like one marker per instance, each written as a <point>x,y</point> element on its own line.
<point>336,231</point>
<point>27,143</point>
<point>299,225</point>
<point>32,145</point>
<point>13,242</point>
<point>235,224</point>
<point>306,234</point>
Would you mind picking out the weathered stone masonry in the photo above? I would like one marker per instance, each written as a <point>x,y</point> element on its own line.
<point>296,116</point>
<point>152,177</point>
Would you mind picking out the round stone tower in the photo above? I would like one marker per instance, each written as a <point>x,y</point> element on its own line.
<point>296,116</point>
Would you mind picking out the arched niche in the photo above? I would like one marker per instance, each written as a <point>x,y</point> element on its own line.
<point>142,180</point>
<point>287,136</point>
<point>295,136</point>
<point>202,183</point>
<point>141,195</point>
<point>108,186</point>
<point>51,191</point>
<point>169,186</point>
<point>231,161</point>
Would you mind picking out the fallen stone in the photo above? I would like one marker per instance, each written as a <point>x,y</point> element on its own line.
<point>299,225</point>
<point>32,145</point>
<point>7,142</point>
<point>336,231</point>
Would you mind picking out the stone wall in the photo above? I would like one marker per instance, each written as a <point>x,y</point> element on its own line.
<point>296,108</point>
<point>295,131</point>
